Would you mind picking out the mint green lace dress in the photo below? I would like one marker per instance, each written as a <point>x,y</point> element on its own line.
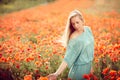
<point>79,54</point>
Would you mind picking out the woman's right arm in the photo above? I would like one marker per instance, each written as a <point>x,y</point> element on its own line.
<point>61,68</point>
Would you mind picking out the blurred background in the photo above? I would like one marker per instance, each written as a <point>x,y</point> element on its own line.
<point>29,30</point>
<point>7,6</point>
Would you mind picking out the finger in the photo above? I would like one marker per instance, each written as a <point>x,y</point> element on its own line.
<point>49,75</point>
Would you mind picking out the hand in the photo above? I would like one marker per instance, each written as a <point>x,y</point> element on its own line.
<point>91,71</point>
<point>52,77</point>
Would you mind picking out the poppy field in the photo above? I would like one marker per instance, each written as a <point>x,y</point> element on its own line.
<point>29,48</point>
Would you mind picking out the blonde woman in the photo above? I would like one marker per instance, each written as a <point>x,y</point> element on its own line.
<point>79,42</point>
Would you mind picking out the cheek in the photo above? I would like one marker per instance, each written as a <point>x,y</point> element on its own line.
<point>81,23</point>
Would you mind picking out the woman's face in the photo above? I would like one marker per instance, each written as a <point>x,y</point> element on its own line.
<point>77,23</point>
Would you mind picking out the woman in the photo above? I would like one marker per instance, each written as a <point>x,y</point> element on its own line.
<point>79,41</point>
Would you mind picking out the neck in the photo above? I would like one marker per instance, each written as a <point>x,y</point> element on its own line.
<point>79,30</point>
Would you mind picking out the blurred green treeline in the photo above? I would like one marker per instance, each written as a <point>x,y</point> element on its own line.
<point>7,6</point>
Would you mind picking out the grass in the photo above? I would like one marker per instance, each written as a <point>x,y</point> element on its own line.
<point>17,5</point>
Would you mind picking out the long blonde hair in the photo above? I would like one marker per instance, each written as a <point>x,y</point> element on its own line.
<point>69,29</point>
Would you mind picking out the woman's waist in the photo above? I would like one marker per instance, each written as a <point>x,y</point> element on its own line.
<point>82,63</point>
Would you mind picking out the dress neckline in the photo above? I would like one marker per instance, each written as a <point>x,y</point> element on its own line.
<point>78,35</point>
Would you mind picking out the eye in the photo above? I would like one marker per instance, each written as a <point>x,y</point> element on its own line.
<point>77,22</point>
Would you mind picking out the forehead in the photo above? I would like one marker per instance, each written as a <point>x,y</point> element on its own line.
<point>75,18</point>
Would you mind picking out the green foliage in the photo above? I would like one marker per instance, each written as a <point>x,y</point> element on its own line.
<point>6,1</point>
<point>33,39</point>
<point>105,62</point>
<point>7,6</point>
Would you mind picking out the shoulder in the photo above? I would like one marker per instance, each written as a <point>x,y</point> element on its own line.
<point>88,28</point>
